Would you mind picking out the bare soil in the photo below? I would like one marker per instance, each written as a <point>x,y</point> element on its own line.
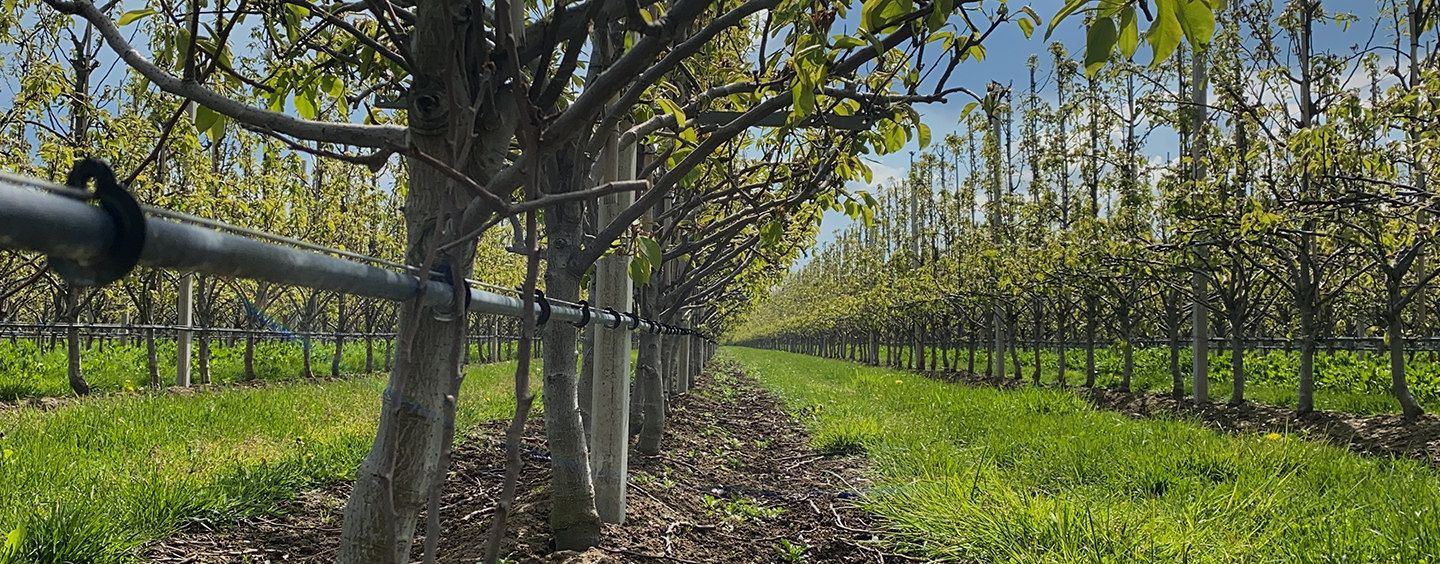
<point>1376,435</point>
<point>736,481</point>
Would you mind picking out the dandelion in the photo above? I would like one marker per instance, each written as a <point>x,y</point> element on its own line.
<point>899,381</point>
<point>1273,436</point>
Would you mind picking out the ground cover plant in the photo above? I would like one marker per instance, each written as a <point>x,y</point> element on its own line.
<point>91,480</point>
<point>1346,381</point>
<point>31,371</point>
<point>1037,475</point>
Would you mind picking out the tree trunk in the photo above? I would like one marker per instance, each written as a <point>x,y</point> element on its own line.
<point>1305,395</point>
<point>249,355</point>
<point>340,335</point>
<point>153,361</point>
<point>1036,332</point>
<point>394,480</point>
<point>1237,353</point>
<point>1172,322</point>
<point>1090,321</point>
<point>1129,350</point>
<point>647,374</point>
<point>1396,337</point>
<point>72,338</point>
<point>573,520</point>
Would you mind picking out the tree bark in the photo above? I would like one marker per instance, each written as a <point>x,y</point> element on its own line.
<point>72,342</point>
<point>339,336</point>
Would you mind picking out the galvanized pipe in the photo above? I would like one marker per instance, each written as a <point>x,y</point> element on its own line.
<point>60,226</point>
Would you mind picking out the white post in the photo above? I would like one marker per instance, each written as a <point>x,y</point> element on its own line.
<point>697,358</point>
<point>125,329</point>
<point>610,399</point>
<point>182,341</point>
<point>685,377</point>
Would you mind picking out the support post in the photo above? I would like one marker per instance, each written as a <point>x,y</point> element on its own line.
<point>684,372</point>
<point>182,339</point>
<point>611,389</point>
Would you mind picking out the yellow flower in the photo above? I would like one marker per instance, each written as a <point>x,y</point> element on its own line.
<point>1273,436</point>
<point>899,381</point>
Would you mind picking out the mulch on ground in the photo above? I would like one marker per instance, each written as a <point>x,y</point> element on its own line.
<point>1377,435</point>
<point>736,482</point>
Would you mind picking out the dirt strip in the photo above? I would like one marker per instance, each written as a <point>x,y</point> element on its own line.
<point>1377,435</point>
<point>737,482</point>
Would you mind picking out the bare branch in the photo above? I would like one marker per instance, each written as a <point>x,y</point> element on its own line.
<point>374,136</point>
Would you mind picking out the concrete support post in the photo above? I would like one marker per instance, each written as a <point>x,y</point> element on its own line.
<point>182,339</point>
<point>611,389</point>
<point>697,358</point>
<point>684,375</point>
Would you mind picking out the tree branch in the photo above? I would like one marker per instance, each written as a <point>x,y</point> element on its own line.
<point>374,136</point>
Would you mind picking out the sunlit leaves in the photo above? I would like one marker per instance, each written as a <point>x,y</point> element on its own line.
<point>1128,39</point>
<point>135,15</point>
<point>1099,41</point>
<point>878,15</point>
<point>210,122</point>
<point>1165,32</point>
<point>1197,20</point>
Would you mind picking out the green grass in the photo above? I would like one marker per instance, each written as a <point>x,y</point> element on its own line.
<point>90,481</point>
<point>1038,476</point>
<point>30,371</point>
<point>1343,381</point>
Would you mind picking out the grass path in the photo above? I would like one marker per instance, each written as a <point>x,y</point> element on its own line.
<point>979,474</point>
<point>90,481</point>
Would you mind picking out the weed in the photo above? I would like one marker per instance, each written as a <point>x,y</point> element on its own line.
<point>93,480</point>
<point>981,474</point>
<point>849,437</point>
<point>738,509</point>
<point>791,551</point>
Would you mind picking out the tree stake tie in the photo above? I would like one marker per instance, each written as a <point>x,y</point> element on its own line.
<point>584,315</point>
<point>544,308</point>
<point>121,255</point>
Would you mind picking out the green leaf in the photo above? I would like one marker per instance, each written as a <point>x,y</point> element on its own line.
<point>673,109</point>
<point>305,104</point>
<point>651,250</point>
<point>968,108</point>
<point>15,539</point>
<point>1165,32</point>
<point>875,42</point>
<point>770,233</point>
<point>939,14</point>
<point>1065,12</point>
<point>205,119</point>
<point>1129,35</point>
<point>1026,26</point>
<point>924,135</point>
<point>877,15</point>
<point>1197,20</point>
<point>1099,42</point>
<point>848,42</point>
<point>332,86</point>
<point>1108,8</point>
<point>640,270</point>
<point>1034,16</point>
<point>132,16</point>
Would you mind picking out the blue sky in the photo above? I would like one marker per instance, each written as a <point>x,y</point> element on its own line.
<point>1008,49</point>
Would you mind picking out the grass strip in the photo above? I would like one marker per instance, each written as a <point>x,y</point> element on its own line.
<point>1345,381</point>
<point>91,481</point>
<point>1039,476</point>
<point>27,370</point>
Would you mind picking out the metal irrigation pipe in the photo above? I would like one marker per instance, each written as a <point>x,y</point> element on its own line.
<point>59,225</point>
